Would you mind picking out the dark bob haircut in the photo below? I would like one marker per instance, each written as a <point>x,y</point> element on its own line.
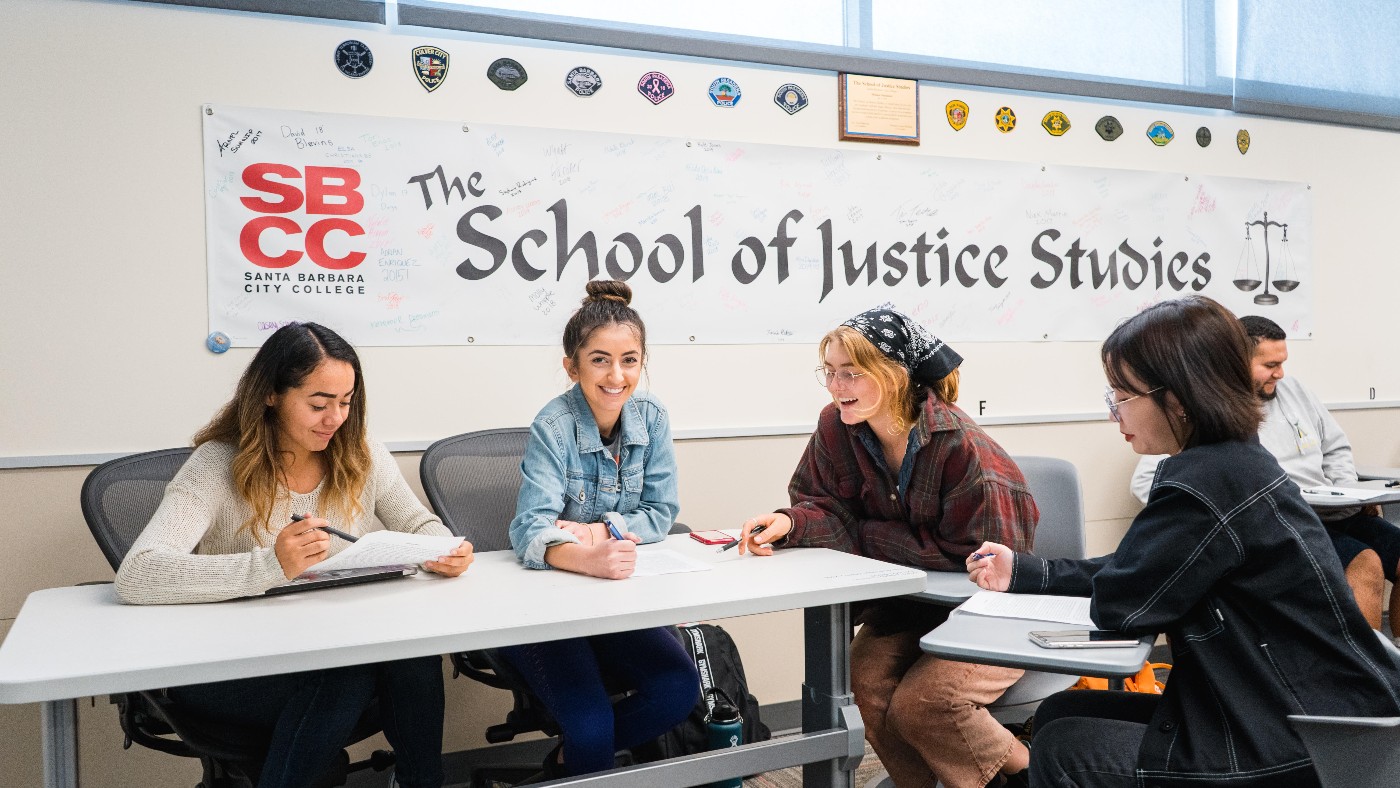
<point>1197,350</point>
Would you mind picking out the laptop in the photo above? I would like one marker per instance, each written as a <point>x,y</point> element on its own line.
<point>308,581</point>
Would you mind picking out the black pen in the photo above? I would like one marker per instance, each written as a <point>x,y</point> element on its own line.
<point>328,529</point>
<point>1395,483</point>
<point>758,529</point>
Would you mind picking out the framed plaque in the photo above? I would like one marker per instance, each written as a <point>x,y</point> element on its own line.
<point>878,109</point>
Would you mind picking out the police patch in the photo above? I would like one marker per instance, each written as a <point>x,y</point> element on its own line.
<point>1203,137</point>
<point>656,87</point>
<point>1109,128</point>
<point>430,66</point>
<point>957,112</point>
<point>583,81</point>
<point>353,58</point>
<point>506,74</point>
<point>1005,120</point>
<point>791,98</point>
<point>1242,142</point>
<point>1055,122</point>
<point>725,92</point>
<point>1160,133</point>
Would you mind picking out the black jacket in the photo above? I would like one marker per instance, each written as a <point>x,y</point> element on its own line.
<point>1235,568</point>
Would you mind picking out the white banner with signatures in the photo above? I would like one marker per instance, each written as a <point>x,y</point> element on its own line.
<point>397,231</point>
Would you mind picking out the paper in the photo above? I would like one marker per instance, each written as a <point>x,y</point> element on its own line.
<point>665,562</point>
<point>1325,494</point>
<point>1039,607</point>
<point>381,548</point>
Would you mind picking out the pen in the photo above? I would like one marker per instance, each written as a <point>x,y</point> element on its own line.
<point>611,520</point>
<point>1324,492</point>
<point>757,529</point>
<point>980,556</point>
<point>328,529</point>
<point>1395,483</point>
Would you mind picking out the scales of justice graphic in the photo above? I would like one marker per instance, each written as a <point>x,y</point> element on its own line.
<point>1247,271</point>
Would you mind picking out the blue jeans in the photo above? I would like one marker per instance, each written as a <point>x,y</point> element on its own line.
<point>310,716</point>
<point>568,676</point>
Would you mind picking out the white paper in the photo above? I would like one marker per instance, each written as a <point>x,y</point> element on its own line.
<point>1039,607</point>
<point>1326,494</point>
<point>381,548</point>
<point>665,562</point>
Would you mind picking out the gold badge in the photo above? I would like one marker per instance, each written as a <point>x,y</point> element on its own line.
<point>1242,142</point>
<point>1055,122</point>
<point>957,114</point>
<point>1006,120</point>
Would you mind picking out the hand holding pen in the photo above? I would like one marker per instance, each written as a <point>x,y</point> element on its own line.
<point>990,566</point>
<point>301,544</point>
<point>772,526</point>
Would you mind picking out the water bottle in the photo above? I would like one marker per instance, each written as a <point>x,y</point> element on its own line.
<point>724,727</point>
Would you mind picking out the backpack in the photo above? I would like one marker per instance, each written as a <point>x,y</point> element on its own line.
<point>721,673</point>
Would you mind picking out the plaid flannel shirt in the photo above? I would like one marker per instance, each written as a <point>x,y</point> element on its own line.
<point>963,490</point>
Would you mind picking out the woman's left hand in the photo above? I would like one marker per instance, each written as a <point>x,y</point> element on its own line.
<point>454,563</point>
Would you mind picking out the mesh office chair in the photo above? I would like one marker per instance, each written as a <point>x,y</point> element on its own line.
<point>472,481</point>
<point>1353,752</point>
<point>118,500</point>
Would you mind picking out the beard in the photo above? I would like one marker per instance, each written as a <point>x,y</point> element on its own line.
<point>1266,396</point>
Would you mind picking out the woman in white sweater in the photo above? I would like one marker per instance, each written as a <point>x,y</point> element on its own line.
<point>292,441</point>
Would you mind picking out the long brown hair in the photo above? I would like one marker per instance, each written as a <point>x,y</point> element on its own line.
<point>900,397</point>
<point>249,423</point>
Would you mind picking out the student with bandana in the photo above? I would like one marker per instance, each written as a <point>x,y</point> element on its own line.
<point>896,471</point>
<point>601,447</point>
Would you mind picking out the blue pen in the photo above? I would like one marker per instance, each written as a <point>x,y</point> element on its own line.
<point>980,556</point>
<point>615,524</point>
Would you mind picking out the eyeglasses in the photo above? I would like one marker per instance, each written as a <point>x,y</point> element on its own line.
<point>844,377</point>
<point>1113,402</point>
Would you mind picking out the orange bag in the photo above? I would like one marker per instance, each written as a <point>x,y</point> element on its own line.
<point>1145,681</point>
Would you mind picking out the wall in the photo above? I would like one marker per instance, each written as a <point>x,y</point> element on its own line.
<point>102,287</point>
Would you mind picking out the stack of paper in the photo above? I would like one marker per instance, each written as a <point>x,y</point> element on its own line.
<point>1039,607</point>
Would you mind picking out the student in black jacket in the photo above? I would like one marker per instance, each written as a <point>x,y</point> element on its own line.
<point>1227,560</point>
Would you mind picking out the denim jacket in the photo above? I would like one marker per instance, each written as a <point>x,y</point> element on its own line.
<point>569,475</point>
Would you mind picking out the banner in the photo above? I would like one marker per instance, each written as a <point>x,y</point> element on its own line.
<point>398,231</point>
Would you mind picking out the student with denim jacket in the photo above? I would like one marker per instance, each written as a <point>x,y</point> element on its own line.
<point>1228,560</point>
<point>600,447</point>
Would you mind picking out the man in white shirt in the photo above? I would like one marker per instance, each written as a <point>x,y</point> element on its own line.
<point>1312,449</point>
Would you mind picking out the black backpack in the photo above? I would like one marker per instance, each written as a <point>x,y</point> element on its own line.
<point>721,672</point>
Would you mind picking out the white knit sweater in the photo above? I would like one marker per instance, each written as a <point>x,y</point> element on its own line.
<point>193,550</point>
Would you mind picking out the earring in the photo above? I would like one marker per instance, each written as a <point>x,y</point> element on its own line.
<point>1183,417</point>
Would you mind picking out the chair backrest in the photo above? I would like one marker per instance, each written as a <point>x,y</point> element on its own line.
<point>120,496</point>
<point>472,481</point>
<point>1055,485</point>
<point>1351,752</point>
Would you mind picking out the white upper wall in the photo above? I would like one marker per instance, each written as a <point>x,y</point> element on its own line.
<point>103,286</point>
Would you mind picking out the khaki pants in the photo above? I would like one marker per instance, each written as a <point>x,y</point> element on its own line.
<point>925,716</point>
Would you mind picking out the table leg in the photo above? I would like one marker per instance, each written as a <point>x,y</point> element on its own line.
<point>826,693</point>
<point>58,726</point>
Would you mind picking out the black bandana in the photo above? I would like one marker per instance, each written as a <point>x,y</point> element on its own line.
<point>907,343</point>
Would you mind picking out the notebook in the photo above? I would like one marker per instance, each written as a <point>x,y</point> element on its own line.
<point>307,581</point>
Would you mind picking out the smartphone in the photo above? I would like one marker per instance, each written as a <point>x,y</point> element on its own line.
<point>1083,638</point>
<point>711,537</point>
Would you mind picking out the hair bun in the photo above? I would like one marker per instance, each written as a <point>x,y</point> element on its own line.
<point>608,290</point>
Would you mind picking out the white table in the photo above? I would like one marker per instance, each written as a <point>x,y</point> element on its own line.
<point>949,589</point>
<point>1392,495</point>
<point>75,642</point>
<point>988,640</point>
